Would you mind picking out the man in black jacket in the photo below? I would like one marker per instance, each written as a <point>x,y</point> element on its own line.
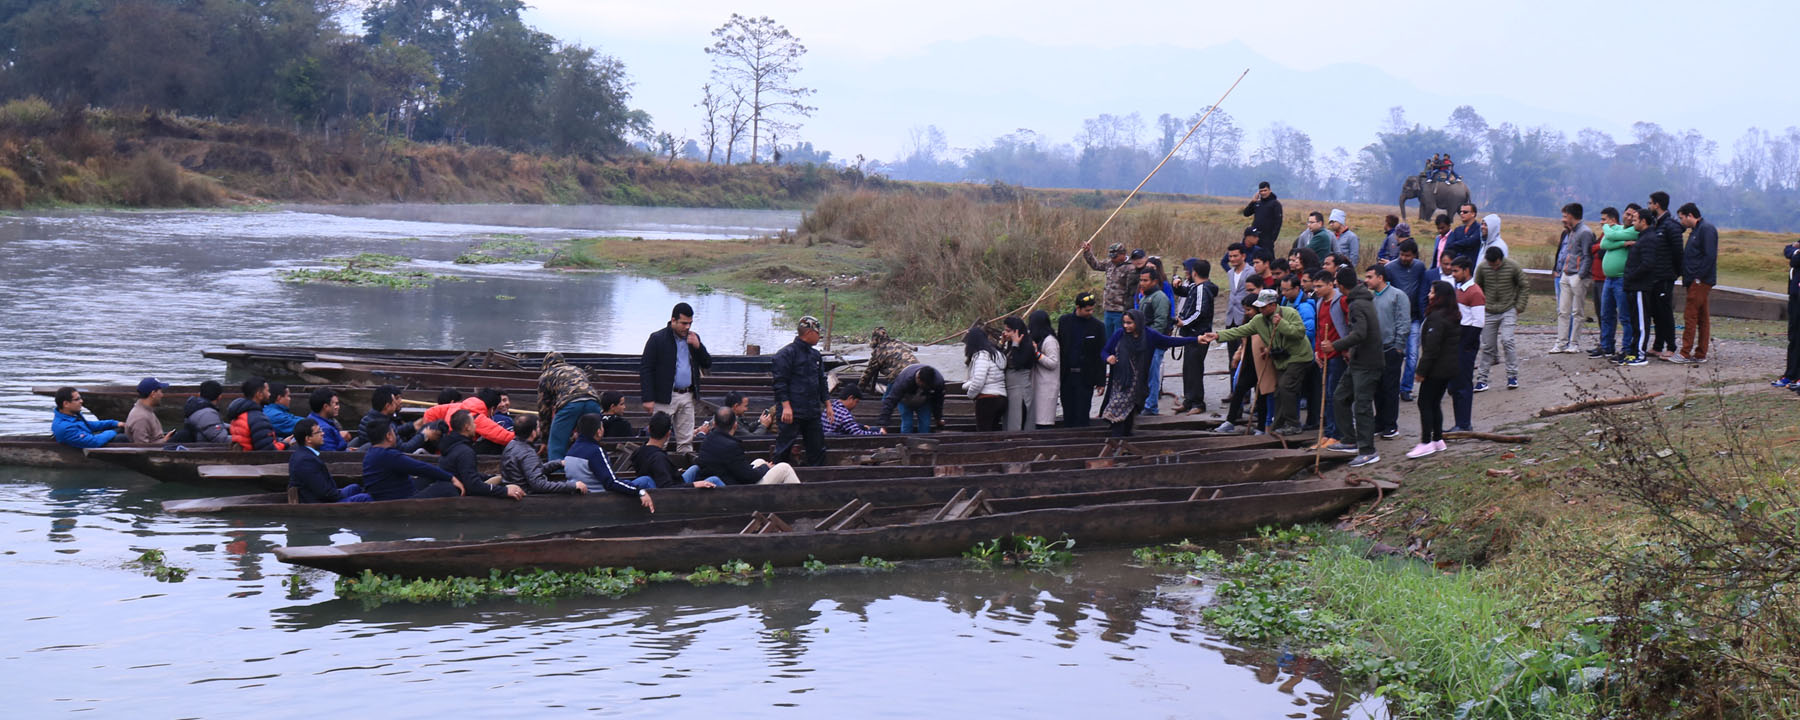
<point>1700,272</point>
<point>1668,270</point>
<point>799,379</point>
<point>1640,285</point>
<point>722,456</point>
<point>1265,213</point>
<point>669,373</point>
<point>385,405</point>
<point>1355,397</point>
<point>1193,318</point>
<point>1082,336</point>
<point>458,459</point>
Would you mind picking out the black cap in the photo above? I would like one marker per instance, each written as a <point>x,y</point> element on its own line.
<point>1252,232</point>
<point>1138,254</point>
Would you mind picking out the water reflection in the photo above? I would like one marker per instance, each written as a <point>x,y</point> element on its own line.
<point>111,297</point>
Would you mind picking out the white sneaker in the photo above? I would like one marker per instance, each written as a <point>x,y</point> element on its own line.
<point>1440,446</point>
<point>1361,460</point>
<point>1421,450</point>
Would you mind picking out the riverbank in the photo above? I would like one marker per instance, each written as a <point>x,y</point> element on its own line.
<point>108,158</point>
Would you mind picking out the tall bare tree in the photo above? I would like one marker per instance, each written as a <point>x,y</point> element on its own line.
<point>759,58</point>
<point>711,105</point>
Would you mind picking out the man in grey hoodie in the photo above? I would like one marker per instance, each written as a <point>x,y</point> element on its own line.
<point>1344,242</point>
<point>1574,263</point>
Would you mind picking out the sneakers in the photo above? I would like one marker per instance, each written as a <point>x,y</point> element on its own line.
<point>1406,397</point>
<point>1618,358</point>
<point>1422,449</point>
<point>1287,430</point>
<point>1346,448</point>
<point>1598,353</point>
<point>1637,361</point>
<point>1512,383</point>
<point>1440,446</point>
<point>1389,434</point>
<point>1226,427</point>
<point>1557,350</point>
<point>1481,387</point>
<point>1460,428</point>
<point>1683,360</point>
<point>1367,459</point>
<point>1781,382</point>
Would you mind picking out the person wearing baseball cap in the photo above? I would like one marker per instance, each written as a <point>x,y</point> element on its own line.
<point>1121,283</point>
<point>799,379</point>
<point>142,425</point>
<point>1279,335</point>
<point>1081,336</point>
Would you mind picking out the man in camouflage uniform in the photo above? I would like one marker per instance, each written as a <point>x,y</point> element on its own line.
<point>564,395</point>
<point>1121,283</point>
<point>887,357</point>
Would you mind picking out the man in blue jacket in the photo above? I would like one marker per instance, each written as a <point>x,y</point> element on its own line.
<point>389,474</point>
<point>281,418</point>
<point>325,409</point>
<point>1407,274</point>
<point>71,429</point>
<point>799,380</point>
<point>1466,240</point>
<point>310,476</point>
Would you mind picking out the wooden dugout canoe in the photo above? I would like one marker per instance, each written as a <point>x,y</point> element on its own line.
<point>1208,468</point>
<point>1106,517</point>
<point>43,451</point>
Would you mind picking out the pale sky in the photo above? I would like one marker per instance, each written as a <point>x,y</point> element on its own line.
<point>980,69</point>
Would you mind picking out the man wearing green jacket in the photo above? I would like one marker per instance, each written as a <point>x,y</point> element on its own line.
<point>1616,239</point>
<point>1503,282</point>
<point>1315,237</point>
<point>1283,333</point>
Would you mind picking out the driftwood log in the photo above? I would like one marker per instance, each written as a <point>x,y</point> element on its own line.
<point>1597,402</point>
<point>1490,437</point>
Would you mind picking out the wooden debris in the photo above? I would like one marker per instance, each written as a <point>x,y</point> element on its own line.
<point>1595,403</point>
<point>1490,437</point>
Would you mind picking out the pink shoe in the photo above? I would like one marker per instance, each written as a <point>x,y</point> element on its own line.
<point>1421,450</point>
<point>1439,446</point>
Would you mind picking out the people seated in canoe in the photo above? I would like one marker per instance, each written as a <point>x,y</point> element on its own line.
<point>457,457</point>
<point>202,423</point>
<point>325,406</point>
<point>564,395</point>
<point>654,470</point>
<point>71,428</point>
<point>844,399</point>
<point>520,465</point>
<point>722,456</point>
<point>142,425</point>
<point>250,428</point>
<point>276,409</point>
<point>740,405</point>
<point>612,415</point>
<point>389,474</point>
<point>308,474</point>
<point>489,437</point>
<point>918,393</point>
<point>385,404</point>
<point>503,411</point>
<point>587,463</point>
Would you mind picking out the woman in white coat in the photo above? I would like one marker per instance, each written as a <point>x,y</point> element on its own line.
<point>1046,373</point>
<point>987,378</point>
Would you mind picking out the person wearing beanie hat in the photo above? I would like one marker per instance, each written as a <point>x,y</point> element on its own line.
<point>1081,336</point>
<point>1343,241</point>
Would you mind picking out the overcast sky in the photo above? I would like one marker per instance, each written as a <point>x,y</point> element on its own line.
<point>981,69</point>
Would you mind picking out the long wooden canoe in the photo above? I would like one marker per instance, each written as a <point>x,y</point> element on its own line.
<point>1209,468</point>
<point>1094,518</point>
<point>43,451</point>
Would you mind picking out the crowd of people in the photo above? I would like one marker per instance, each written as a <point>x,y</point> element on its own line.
<point>1315,341</point>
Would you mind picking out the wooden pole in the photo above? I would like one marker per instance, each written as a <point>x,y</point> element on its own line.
<point>1115,213</point>
<point>1595,403</point>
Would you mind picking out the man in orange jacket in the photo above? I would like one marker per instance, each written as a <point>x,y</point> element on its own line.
<point>491,437</point>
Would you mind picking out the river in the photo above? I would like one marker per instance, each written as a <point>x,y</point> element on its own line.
<point>96,297</point>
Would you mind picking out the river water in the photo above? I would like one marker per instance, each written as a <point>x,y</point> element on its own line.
<point>111,296</point>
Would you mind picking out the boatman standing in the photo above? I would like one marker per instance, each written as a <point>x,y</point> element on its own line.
<point>669,373</point>
<point>799,378</point>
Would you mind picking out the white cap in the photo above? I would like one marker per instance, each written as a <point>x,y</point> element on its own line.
<point>1337,216</point>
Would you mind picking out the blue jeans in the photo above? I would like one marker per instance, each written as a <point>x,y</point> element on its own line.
<point>692,475</point>
<point>912,420</point>
<point>1115,319</point>
<point>1334,370</point>
<point>1150,402</point>
<point>1411,365</point>
<point>354,493</point>
<point>562,427</point>
<point>1612,305</point>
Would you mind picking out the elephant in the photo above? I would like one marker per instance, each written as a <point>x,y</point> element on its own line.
<point>1433,196</point>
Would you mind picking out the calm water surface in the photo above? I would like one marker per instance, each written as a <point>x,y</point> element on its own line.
<point>111,296</point>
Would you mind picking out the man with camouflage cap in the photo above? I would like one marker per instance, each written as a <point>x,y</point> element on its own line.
<point>1121,282</point>
<point>887,357</point>
<point>564,395</point>
<point>799,379</point>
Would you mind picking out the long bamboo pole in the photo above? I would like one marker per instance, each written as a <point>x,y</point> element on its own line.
<point>1109,218</point>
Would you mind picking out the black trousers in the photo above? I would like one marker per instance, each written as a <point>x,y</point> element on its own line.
<point>1242,387</point>
<point>1077,400</point>
<point>1193,375</point>
<point>1431,409</point>
<point>1387,396</point>
<point>1309,389</point>
<point>1462,386</point>
<point>1122,428</point>
<point>989,412</point>
<point>1793,363</point>
<point>1662,312</point>
<point>811,432</point>
<point>1641,305</point>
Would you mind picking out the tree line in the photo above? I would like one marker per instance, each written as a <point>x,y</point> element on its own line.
<point>1512,169</point>
<point>458,70</point>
